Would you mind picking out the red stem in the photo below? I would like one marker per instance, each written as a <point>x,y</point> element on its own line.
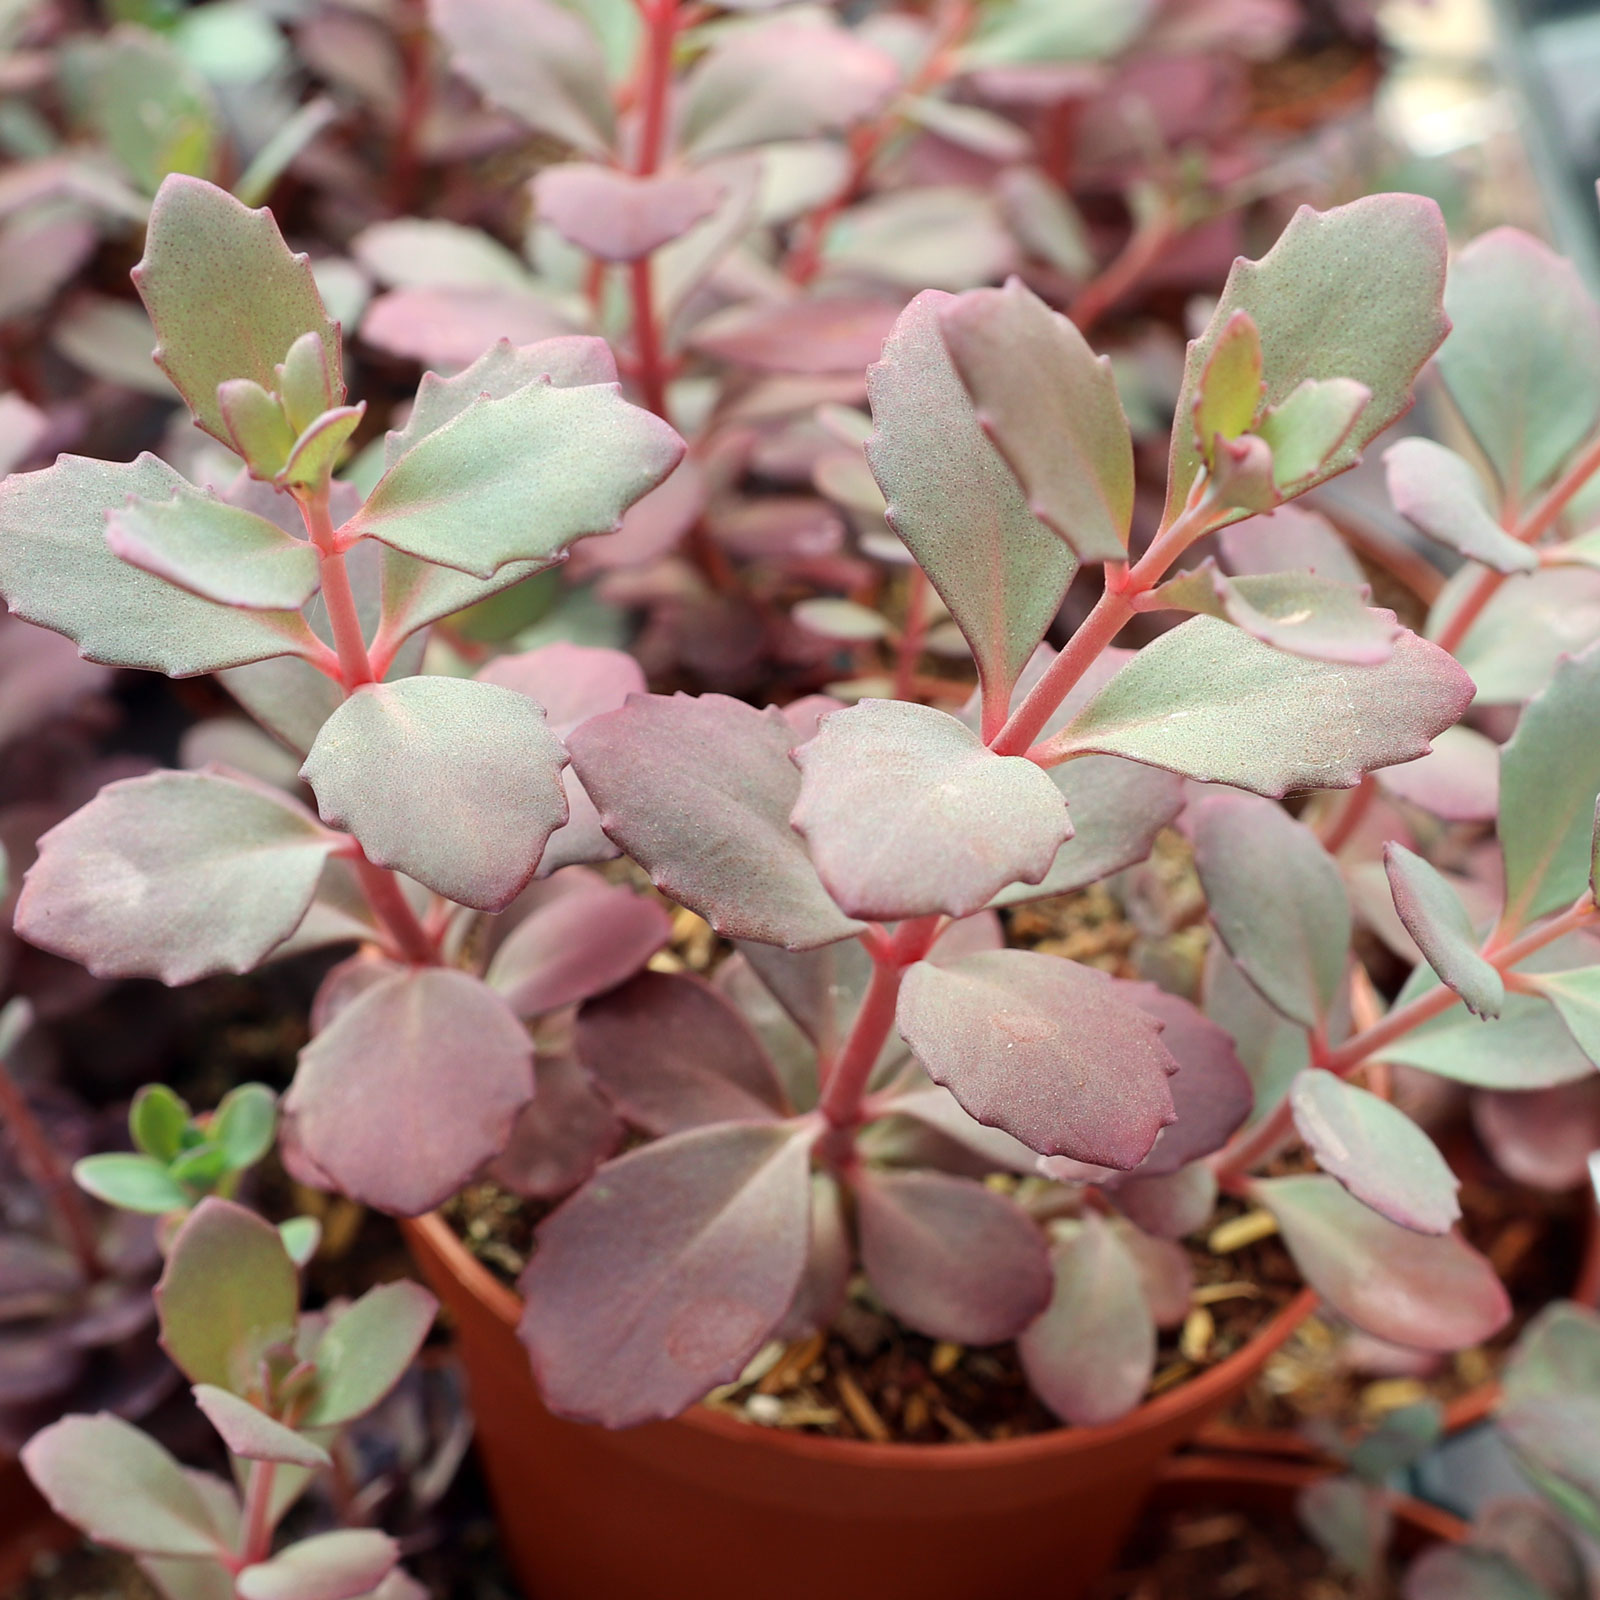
<point>1350,815</point>
<point>1137,256</point>
<point>42,1163</point>
<point>255,1539</point>
<point>909,649</point>
<point>393,910</point>
<point>415,41</point>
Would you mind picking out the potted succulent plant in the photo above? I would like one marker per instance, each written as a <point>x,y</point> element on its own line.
<point>854,853</point>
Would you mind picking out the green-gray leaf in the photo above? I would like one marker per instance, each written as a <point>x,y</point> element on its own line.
<point>132,1183</point>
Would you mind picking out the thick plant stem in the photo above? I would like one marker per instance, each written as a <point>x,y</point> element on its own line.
<point>393,910</point>
<point>846,1083</point>
<point>41,1162</point>
<point>661,26</point>
<point>1261,1141</point>
<point>348,640</point>
<point>255,1539</point>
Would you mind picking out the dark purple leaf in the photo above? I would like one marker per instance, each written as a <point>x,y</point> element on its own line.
<point>1541,1137</point>
<point>428,1061</point>
<point>662,1276</point>
<point>671,1053</point>
<point>830,1259</point>
<point>560,1136</point>
<point>1046,1049</point>
<point>949,1257</point>
<point>1171,1206</point>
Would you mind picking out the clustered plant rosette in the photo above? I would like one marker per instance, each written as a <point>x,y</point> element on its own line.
<point>1519,1547</point>
<point>278,1385</point>
<point>317,628</point>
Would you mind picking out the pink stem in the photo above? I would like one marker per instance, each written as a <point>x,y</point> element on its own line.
<point>909,651</point>
<point>42,1163</point>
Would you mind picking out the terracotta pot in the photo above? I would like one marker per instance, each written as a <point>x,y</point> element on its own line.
<point>1242,1484</point>
<point>713,1508</point>
<point>28,1527</point>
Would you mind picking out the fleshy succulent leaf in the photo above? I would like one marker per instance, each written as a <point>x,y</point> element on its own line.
<point>949,1257</point>
<point>1049,405</point>
<point>699,792</point>
<point>1441,496</point>
<point>249,1432</point>
<point>131,1182</point>
<point>1000,570</point>
<point>1434,916</point>
<point>455,783</point>
<point>1277,900</point>
<point>244,1124</point>
<point>426,1061</point>
<point>344,1565</point>
<point>1306,429</point>
<point>900,805</point>
<point>228,1290</point>
<point>366,1349</point>
<point>663,1275</point>
<point>1090,1355</point>
<point>1208,701</point>
<point>226,295</point>
<point>1376,1151</point>
<point>1228,394</point>
<point>1354,293</point>
<point>618,216</point>
<point>174,875</point>
<point>1046,1049</point>
<point>1429,1292</point>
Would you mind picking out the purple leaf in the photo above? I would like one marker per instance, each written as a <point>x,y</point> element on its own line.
<point>822,334</point>
<point>1434,916</point>
<point>1165,1273</point>
<point>1049,405</point>
<point>249,1432</point>
<point>227,297</point>
<point>820,989</point>
<point>1353,293</point>
<point>938,1109</point>
<point>573,682</point>
<point>576,945</point>
<point>1428,1292</point>
<point>1522,365</point>
<point>537,59</point>
<point>1212,1093</point>
<point>560,1136</point>
<point>121,1488</point>
<point>57,569</point>
<point>1046,1049</point>
<point>519,478</point>
<point>699,792</point>
<point>175,875</point>
<point>1210,702</point>
<point>1271,1048</point>
<point>1170,1206</point>
<point>1290,539</point>
<point>779,80</point>
<point>429,1061</point>
<point>1444,499</point>
<point>452,327</point>
<point>830,1260</point>
<point>901,806</point>
<point>366,1349</point>
<point>618,216</point>
<point>662,1276</point>
<point>228,1290</point>
<point>455,783</point>
<point>1458,780</point>
<point>949,1257</point>
<point>1091,1354</point>
<point>1276,899</point>
<point>215,550</point>
<point>328,1566</point>
<point>1376,1151</point>
<point>671,1053</point>
<point>1000,570</point>
<point>1541,1137</point>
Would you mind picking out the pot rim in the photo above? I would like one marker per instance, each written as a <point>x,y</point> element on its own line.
<point>435,1235</point>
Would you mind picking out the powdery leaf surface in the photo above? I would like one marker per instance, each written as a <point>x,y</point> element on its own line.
<point>175,875</point>
<point>1425,1291</point>
<point>1376,1151</point>
<point>1044,1048</point>
<point>455,783</point>
<point>1434,916</point>
<point>671,1053</point>
<point>1441,496</point>
<point>1000,570</point>
<point>426,1061</point>
<point>1050,407</point>
<point>619,216</point>
<point>663,1275</point>
<point>907,813</point>
<point>1090,1356</point>
<point>698,790</point>
<point>560,1136</point>
<point>949,1257</point>
<point>1208,701</point>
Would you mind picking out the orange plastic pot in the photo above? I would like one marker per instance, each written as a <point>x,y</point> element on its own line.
<point>707,1507</point>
